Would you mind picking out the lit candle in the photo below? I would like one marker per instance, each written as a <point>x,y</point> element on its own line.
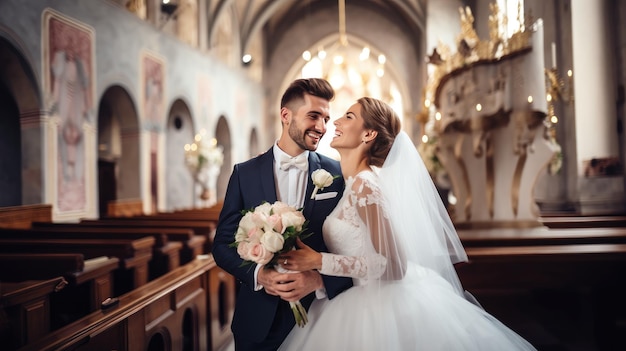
<point>553,55</point>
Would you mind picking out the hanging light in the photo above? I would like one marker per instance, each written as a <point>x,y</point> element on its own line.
<point>306,55</point>
<point>343,38</point>
<point>341,62</point>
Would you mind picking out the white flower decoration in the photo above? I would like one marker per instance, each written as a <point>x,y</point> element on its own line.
<point>321,179</point>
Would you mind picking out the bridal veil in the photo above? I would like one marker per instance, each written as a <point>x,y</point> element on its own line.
<point>422,231</point>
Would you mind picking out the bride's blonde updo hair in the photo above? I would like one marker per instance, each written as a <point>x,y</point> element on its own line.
<point>379,116</point>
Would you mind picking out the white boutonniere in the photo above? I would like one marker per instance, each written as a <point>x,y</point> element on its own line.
<point>321,179</point>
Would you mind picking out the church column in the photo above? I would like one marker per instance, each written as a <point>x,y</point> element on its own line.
<point>203,25</point>
<point>187,16</point>
<point>599,189</point>
<point>153,12</point>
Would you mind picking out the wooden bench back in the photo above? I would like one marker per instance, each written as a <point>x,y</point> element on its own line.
<point>23,216</point>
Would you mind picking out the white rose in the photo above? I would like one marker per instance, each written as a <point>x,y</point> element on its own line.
<point>259,219</point>
<point>247,222</point>
<point>321,178</point>
<point>272,241</point>
<point>241,235</point>
<point>280,207</point>
<point>295,219</point>
<point>264,208</point>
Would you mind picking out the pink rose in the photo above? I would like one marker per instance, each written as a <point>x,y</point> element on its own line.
<point>242,250</point>
<point>274,223</point>
<point>254,235</point>
<point>258,253</point>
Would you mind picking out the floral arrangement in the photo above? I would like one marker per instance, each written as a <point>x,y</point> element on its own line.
<point>267,231</point>
<point>200,154</point>
<point>321,179</point>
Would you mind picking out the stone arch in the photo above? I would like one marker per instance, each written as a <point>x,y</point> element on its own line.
<point>21,132</point>
<point>179,184</point>
<point>119,148</point>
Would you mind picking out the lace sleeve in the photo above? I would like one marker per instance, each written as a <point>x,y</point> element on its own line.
<point>379,257</point>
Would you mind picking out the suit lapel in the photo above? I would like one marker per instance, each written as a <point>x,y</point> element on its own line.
<point>266,173</point>
<point>314,164</point>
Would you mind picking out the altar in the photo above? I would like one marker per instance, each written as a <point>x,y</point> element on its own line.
<point>490,109</point>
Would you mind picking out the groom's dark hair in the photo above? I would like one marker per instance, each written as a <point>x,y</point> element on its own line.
<point>312,86</point>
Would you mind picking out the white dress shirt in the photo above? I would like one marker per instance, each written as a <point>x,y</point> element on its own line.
<point>290,187</point>
<point>290,183</point>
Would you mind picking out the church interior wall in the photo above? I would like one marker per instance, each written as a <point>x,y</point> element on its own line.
<point>246,98</point>
<point>211,88</point>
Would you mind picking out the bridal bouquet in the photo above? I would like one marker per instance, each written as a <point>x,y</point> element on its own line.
<point>268,231</point>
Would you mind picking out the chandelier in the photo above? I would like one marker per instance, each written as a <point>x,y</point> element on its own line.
<point>343,61</point>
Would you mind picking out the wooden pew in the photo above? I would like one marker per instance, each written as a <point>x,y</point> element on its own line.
<point>517,283</point>
<point>124,207</point>
<point>192,244</point>
<point>134,254</point>
<point>199,227</point>
<point>25,308</point>
<point>23,216</point>
<point>221,303</point>
<point>166,254</point>
<point>542,266</point>
<point>206,213</point>
<point>583,221</point>
<point>541,236</point>
<point>86,283</point>
<point>169,313</point>
<point>203,228</point>
<point>201,214</point>
<point>27,266</point>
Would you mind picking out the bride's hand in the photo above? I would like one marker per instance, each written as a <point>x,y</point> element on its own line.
<point>303,259</point>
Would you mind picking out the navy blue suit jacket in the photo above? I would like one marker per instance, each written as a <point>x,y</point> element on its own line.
<point>251,183</point>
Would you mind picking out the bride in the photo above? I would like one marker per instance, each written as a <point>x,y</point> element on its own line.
<point>392,235</point>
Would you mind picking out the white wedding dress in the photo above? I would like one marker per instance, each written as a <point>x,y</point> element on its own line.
<point>396,302</point>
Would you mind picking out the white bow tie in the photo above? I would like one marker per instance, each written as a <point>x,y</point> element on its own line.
<point>298,161</point>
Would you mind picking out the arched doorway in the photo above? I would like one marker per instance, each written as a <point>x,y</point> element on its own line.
<point>11,155</point>
<point>118,148</point>
<point>179,192</point>
<point>21,159</point>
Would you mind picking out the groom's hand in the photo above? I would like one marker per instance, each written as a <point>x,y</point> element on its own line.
<point>269,279</point>
<point>299,285</point>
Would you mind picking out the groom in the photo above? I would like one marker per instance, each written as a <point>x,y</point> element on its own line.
<point>263,317</point>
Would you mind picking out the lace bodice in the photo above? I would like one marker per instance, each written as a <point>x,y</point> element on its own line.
<point>351,231</point>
